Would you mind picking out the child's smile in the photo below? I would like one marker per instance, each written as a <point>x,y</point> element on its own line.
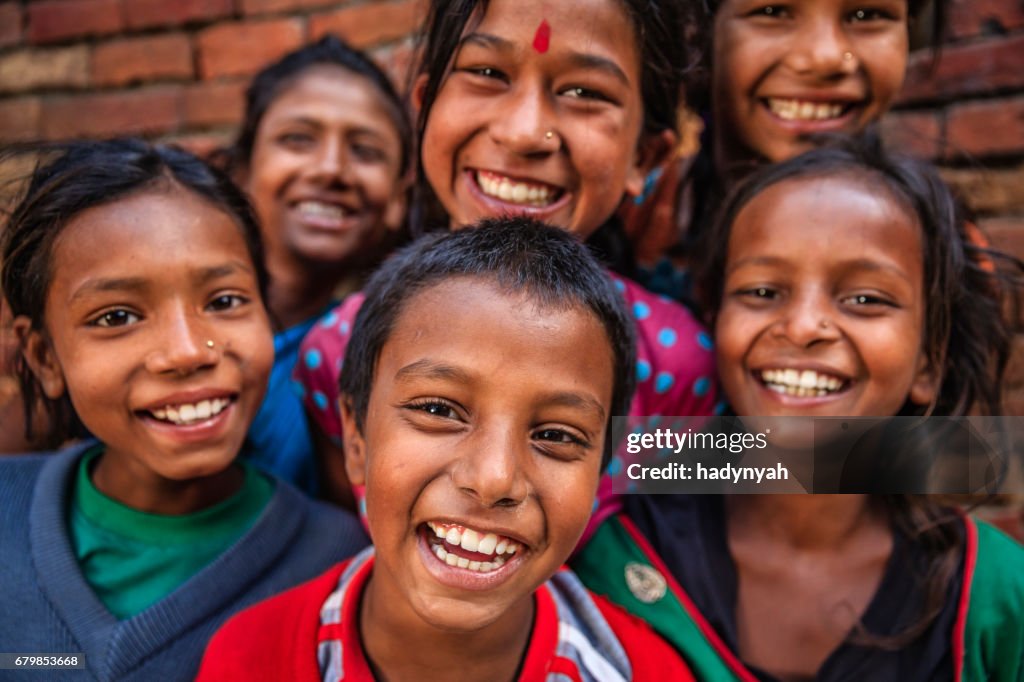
<point>822,310</point>
<point>165,354</point>
<point>783,72</point>
<point>554,134</point>
<point>480,451</point>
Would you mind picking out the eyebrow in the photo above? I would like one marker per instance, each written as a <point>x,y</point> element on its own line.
<point>856,264</point>
<point>201,276</point>
<point>579,60</point>
<point>576,400</point>
<point>430,369</point>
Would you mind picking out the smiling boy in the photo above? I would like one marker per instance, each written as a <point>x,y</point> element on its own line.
<point>481,377</point>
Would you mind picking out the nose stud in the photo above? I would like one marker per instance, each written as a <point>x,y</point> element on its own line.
<point>209,343</point>
<point>847,56</point>
<point>549,134</point>
<point>823,324</point>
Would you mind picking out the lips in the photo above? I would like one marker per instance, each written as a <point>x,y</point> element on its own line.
<point>468,548</point>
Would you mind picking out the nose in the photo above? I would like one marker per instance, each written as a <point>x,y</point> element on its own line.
<point>183,344</point>
<point>821,48</point>
<point>808,320</point>
<point>491,470</point>
<point>523,120</point>
<point>330,164</point>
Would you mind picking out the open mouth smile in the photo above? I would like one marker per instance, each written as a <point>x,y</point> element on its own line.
<point>189,414</point>
<point>529,194</point>
<point>462,547</point>
<point>803,110</point>
<point>802,384</point>
<point>323,214</point>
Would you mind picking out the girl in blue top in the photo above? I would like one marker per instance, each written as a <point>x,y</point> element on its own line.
<point>136,281</point>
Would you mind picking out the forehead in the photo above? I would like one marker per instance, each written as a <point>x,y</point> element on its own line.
<point>599,27</point>
<point>151,234</point>
<point>329,92</point>
<point>836,217</point>
<point>497,335</point>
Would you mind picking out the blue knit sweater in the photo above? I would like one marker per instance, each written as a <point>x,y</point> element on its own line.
<point>47,607</point>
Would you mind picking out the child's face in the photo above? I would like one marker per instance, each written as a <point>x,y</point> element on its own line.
<point>139,287</point>
<point>541,115</point>
<point>324,175</point>
<point>823,288</point>
<point>782,72</point>
<point>486,421</point>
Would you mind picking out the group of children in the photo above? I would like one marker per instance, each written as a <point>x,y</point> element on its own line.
<point>178,333</point>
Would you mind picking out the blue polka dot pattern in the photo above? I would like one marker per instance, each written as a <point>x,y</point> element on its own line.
<point>720,408</point>
<point>641,310</point>
<point>344,327</point>
<point>312,358</point>
<point>667,337</point>
<point>701,386</point>
<point>704,340</point>
<point>320,400</point>
<point>663,382</point>
<point>329,321</point>
<point>643,370</point>
<point>299,389</point>
<point>619,287</point>
<point>615,466</point>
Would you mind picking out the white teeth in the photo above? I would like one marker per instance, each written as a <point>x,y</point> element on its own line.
<point>441,553</point>
<point>501,546</point>
<point>487,544</point>
<point>515,192</point>
<point>792,109</point>
<point>451,560</point>
<point>470,540</point>
<point>807,383</point>
<point>463,562</point>
<point>191,413</point>
<point>453,537</point>
<point>319,208</point>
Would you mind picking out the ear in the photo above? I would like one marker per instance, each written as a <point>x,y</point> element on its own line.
<point>925,387</point>
<point>419,89</point>
<point>38,353</point>
<point>354,443</point>
<point>651,152</point>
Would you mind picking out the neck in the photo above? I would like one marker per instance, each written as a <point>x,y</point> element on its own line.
<point>400,646</point>
<point>801,521</point>
<point>300,290</point>
<point>145,491</point>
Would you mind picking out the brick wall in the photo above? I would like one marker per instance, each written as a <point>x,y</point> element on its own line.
<point>166,69</point>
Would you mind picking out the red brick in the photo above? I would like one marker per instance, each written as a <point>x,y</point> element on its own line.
<point>150,13</point>
<point>370,23</point>
<point>272,6</point>
<point>913,132</point>
<point>966,70</point>
<point>200,144</point>
<point>142,59</point>
<point>1006,234</point>
<point>984,17</point>
<point>242,48</point>
<point>216,103</point>
<point>989,191</point>
<point>10,24</point>
<point>53,20</point>
<point>32,69</point>
<point>151,110</point>
<point>994,127</point>
<point>19,119</point>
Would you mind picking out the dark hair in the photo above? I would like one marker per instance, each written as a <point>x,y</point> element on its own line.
<point>664,57</point>
<point>273,80</point>
<point>931,13</point>
<point>967,333</point>
<point>969,305</point>
<point>520,255</point>
<point>70,178</point>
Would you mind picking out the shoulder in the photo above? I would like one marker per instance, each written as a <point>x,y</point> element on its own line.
<point>324,533</point>
<point>993,631</point>
<point>271,639</point>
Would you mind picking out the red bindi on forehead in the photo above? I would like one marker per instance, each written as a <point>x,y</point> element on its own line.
<point>542,37</point>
